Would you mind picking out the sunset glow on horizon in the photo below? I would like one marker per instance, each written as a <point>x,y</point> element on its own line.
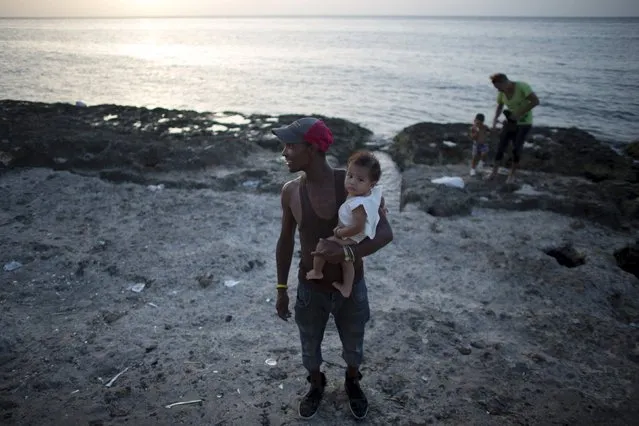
<point>150,8</point>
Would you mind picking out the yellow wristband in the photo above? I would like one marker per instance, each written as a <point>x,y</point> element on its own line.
<point>284,286</point>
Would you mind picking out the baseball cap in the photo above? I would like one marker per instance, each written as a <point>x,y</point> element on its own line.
<point>306,130</point>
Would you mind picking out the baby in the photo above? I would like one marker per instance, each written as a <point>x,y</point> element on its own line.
<point>358,216</point>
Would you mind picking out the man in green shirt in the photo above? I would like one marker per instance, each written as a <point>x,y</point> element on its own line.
<point>520,99</point>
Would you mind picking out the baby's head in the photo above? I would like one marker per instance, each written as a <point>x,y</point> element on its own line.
<point>479,119</point>
<point>362,174</point>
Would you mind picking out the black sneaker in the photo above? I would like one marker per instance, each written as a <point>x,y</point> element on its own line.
<point>311,401</point>
<point>356,399</point>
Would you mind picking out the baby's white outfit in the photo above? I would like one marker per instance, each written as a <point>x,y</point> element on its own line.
<point>371,204</point>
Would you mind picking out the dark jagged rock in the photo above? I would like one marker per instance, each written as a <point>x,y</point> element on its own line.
<point>610,203</point>
<point>566,151</point>
<point>63,136</point>
<point>632,150</point>
<point>574,152</point>
<point>130,140</point>
<point>440,200</point>
<point>605,187</point>
<point>628,258</point>
<point>567,256</point>
<point>423,143</point>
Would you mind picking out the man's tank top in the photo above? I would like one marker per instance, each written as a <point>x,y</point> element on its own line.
<point>313,228</point>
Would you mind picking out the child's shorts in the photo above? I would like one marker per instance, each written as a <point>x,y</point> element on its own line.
<point>480,148</point>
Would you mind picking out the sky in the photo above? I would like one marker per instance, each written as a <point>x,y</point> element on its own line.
<point>117,8</point>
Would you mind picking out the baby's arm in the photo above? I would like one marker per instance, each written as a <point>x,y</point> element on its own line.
<point>358,226</point>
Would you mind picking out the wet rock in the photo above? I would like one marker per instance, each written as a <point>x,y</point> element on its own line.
<point>607,193</point>
<point>628,258</point>
<point>436,200</point>
<point>565,151</point>
<point>632,149</point>
<point>610,203</point>
<point>423,143</point>
<point>102,137</point>
<point>445,201</point>
<point>580,154</point>
<point>566,255</point>
<point>85,140</point>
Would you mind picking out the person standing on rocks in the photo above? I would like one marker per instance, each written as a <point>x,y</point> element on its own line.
<point>310,203</point>
<point>478,133</point>
<point>520,99</point>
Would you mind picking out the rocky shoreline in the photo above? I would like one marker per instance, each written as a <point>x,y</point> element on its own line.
<point>141,242</point>
<point>564,170</point>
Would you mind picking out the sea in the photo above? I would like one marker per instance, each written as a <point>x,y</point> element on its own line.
<point>384,73</point>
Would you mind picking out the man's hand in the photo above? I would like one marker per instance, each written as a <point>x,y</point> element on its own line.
<point>331,251</point>
<point>282,305</point>
<point>495,123</point>
<point>336,230</point>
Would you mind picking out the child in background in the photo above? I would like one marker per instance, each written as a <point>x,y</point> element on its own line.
<point>478,133</point>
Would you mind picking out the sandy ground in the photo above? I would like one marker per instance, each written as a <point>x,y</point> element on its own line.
<point>472,323</point>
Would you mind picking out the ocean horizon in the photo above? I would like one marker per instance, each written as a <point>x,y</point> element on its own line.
<point>321,16</point>
<point>383,72</point>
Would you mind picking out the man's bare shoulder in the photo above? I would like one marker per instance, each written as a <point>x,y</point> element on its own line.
<point>290,187</point>
<point>292,184</point>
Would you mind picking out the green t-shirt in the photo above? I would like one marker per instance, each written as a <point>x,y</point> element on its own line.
<point>522,91</point>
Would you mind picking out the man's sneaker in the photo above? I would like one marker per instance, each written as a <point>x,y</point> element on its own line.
<point>356,399</point>
<point>311,401</point>
<point>473,172</point>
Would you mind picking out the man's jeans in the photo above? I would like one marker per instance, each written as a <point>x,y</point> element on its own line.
<point>312,309</point>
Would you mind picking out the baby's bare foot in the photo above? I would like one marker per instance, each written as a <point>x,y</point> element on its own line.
<point>344,289</point>
<point>312,275</point>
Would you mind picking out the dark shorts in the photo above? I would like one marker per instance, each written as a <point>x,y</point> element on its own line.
<point>479,148</point>
<point>312,309</point>
<point>517,135</point>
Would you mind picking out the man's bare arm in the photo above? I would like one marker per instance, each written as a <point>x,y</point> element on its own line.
<point>498,110</point>
<point>382,207</point>
<point>533,101</point>
<point>286,241</point>
<point>383,236</point>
